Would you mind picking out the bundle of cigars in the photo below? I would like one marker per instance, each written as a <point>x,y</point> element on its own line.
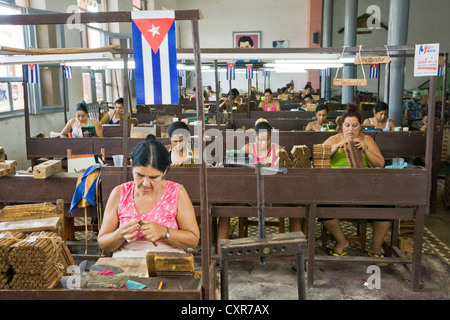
<point>302,156</point>
<point>38,260</point>
<point>284,160</point>
<point>354,155</point>
<point>321,156</point>
<point>7,239</point>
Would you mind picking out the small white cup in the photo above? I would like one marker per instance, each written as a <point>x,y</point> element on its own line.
<point>398,128</point>
<point>118,160</point>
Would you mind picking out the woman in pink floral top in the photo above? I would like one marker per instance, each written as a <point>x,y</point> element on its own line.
<point>148,213</point>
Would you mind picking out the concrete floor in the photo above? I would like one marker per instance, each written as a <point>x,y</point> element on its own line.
<point>249,280</point>
<point>340,281</point>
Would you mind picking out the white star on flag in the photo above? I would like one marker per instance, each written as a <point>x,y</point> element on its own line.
<point>154,30</point>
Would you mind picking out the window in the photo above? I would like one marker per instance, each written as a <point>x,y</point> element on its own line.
<point>47,95</point>
<point>11,90</point>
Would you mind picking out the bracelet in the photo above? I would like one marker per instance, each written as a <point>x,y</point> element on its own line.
<point>167,236</point>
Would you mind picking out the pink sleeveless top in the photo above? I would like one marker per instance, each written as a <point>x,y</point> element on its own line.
<point>164,213</point>
<point>271,154</point>
<point>273,108</point>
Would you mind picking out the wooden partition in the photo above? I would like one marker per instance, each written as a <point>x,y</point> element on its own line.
<point>409,144</point>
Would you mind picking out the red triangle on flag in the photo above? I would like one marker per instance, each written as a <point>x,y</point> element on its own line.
<point>154,30</point>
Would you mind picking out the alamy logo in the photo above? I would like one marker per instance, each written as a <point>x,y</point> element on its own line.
<point>73,22</point>
<point>374,280</point>
<point>74,280</point>
<point>374,21</point>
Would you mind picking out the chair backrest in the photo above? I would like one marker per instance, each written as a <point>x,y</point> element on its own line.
<point>79,163</point>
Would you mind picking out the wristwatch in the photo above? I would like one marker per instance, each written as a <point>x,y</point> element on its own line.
<point>167,234</point>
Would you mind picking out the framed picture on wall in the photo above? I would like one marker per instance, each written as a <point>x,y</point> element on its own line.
<point>246,39</point>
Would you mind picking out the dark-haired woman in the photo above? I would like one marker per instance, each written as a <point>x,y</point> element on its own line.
<point>148,210</point>
<point>113,116</point>
<point>82,119</point>
<point>269,104</point>
<point>321,115</point>
<point>380,119</point>
<point>180,149</point>
<point>263,150</point>
<point>351,130</point>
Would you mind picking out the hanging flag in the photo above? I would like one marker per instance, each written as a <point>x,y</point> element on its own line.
<point>374,68</point>
<point>266,73</point>
<point>441,70</point>
<point>249,73</point>
<point>231,68</point>
<point>155,56</point>
<point>31,73</point>
<point>130,74</point>
<point>67,72</point>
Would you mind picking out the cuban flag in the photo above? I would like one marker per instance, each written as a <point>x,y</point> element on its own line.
<point>130,74</point>
<point>67,72</point>
<point>249,71</point>
<point>266,73</point>
<point>155,56</point>
<point>231,71</point>
<point>441,70</point>
<point>31,73</point>
<point>374,68</point>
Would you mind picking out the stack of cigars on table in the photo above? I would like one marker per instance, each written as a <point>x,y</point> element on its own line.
<point>32,261</point>
<point>301,155</point>
<point>322,156</point>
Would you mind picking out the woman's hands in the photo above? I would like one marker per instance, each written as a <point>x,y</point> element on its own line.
<point>150,230</point>
<point>357,141</point>
<point>360,144</point>
<point>129,230</point>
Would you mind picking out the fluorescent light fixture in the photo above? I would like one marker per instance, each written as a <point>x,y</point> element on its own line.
<point>105,64</point>
<point>290,71</point>
<point>57,58</point>
<point>181,66</point>
<point>304,66</point>
<point>247,54</point>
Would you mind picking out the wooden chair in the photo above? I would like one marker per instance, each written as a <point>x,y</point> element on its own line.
<point>34,217</point>
<point>79,163</point>
<point>361,233</point>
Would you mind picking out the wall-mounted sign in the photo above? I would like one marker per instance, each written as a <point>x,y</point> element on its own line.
<point>372,60</point>
<point>350,82</point>
<point>426,60</point>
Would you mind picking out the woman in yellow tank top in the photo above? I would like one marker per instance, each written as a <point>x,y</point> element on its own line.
<point>373,158</point>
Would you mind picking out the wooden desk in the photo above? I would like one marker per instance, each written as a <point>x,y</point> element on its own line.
<point>19,189</point>
<point>175,288</point>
